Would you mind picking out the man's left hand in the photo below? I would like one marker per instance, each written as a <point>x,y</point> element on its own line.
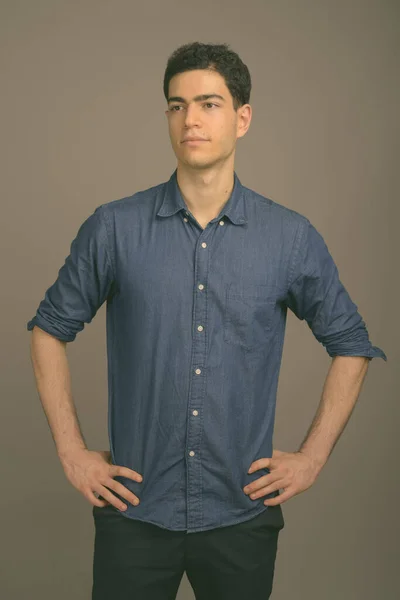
<point>292,472</point>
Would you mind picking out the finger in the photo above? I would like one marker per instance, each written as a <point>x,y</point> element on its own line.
<point>125,472</point>
<point>279,499</point>
<point>263,482</point>
<point>267,489</point>
<point>107,495</point>
<point>260,463</point>
<point>95,500</point>
<point>122,491</point>
<point>99,497</point>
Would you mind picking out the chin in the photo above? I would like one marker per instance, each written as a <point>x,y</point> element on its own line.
<point>197,160</point>
<point>199,164</point>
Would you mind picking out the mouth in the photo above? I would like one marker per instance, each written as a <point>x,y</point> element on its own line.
<point>199,141</point>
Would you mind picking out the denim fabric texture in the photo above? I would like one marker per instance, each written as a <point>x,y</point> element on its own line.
<point>195,324</point>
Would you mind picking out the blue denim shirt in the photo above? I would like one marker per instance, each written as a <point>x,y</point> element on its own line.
<point>195,329</point>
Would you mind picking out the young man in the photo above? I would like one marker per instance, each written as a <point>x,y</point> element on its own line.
<point>198,273</point>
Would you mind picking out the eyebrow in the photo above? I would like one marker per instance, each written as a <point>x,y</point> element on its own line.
<point>196,98</point>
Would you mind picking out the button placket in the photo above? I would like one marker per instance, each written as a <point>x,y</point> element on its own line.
<point>198,383</point>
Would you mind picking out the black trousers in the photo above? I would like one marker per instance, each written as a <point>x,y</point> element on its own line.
<point>135,560</point>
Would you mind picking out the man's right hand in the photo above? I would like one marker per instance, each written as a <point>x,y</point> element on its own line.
<point>91,471</point>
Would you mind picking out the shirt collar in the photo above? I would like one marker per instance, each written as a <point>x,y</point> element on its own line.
<point>173,201</point>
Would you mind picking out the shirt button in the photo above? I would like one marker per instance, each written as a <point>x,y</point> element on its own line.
<point>201,286</point>
<point>204,245</point>
<point>195,412</point>
<point>200,328</point>
<point>185,219</point>
<point>198,371</point>
<point>191,453</point>
<point>221,222</point>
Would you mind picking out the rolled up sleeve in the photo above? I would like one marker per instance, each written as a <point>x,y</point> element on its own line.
<point>316,294</point>
<point>83,283</point>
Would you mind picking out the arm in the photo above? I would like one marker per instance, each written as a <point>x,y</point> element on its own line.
<point>90,472</point>
<point>317,295</point>
<point>295,472</point>
<point>84,282</point>
<point>340,392</point>
<point>53,383</point>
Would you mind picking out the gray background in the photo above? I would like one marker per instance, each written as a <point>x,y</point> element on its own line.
<point>83,123</point>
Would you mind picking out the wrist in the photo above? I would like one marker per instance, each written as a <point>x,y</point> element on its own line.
<point>317,462</point>
<point>69,454</point>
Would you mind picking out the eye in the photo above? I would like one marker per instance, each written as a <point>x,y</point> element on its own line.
<point>172,108</point>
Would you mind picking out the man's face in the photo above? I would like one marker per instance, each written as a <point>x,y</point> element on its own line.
<point>212,119</point>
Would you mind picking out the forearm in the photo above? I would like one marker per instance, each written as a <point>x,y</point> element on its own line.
<point>53,382</point>
<point>340,392</point>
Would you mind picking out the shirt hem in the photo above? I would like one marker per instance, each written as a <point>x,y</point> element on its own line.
<point>197,530</point>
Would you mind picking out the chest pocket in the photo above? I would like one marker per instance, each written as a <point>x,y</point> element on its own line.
<point>248,315</point>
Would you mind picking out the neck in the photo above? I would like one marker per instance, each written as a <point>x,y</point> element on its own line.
<point>205,191</point>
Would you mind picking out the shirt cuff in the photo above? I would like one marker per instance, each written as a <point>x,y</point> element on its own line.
<point>48,328</point>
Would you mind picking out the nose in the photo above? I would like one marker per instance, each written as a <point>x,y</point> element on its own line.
<point>192,116</point>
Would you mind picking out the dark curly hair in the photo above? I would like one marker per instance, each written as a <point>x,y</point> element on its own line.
<point>217,57</point>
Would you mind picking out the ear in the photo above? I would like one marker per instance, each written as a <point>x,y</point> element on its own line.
<point>244,119</point>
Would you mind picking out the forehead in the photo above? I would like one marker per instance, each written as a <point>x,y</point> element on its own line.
<point>193,83</point>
